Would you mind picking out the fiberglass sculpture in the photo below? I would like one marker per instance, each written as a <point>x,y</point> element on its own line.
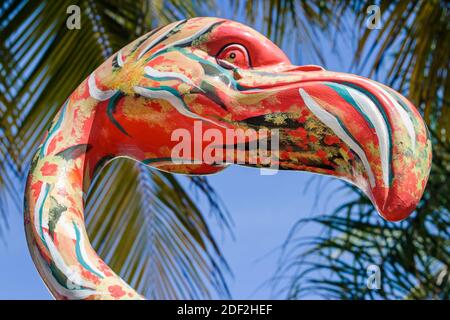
<point>226,76</point>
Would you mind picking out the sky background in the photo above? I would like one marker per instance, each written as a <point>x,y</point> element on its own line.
<point>264,209</point>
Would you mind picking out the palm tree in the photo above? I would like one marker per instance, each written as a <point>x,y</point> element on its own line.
<point>42,61</point>
<point>413,257</point>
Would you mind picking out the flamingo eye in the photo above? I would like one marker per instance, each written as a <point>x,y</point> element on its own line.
<point>232,56</point>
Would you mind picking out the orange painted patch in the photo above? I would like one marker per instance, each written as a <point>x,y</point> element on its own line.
<point>104,268</point>
<point>49,169</point>
<point>299,133</point>
<point>329,140</point>
<point>323,156</point>
<point>116,291</point>
<point>51,146</point>
<point>89,276</point>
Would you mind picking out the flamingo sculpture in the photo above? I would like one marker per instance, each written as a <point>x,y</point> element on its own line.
<point>226,76</point>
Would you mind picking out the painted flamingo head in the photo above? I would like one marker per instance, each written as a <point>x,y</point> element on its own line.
<point>230,76</point>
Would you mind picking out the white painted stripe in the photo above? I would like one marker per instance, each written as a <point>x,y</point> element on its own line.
<point>53,133</point>
<point>331,121</point>
<point>176,102</point>
<point>72,274</point>
<point>156,73</point>
<point>162,35</point>
<point>85,256</point>
<point>66,228</point>
<point>403,114</point>
<point>119,58</point>
<point>381,128</point>
<point>46,143</point>
<point>186,40</point>
<point>96,93</point>
<point>167,96</point>
<point>39,203</point>
<point>406,120</point>
<point>72,294</point>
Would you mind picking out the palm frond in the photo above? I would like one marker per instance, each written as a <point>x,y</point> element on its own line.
<point>278,18</point>
<point>148,229</point>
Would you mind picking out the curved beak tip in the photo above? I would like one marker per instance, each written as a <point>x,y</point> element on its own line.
<point>395,213</point>
<point>397,206</point>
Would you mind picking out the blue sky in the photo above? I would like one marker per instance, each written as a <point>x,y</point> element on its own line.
<point>264,209</point>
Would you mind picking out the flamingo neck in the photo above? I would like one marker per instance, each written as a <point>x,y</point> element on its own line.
<point>54,209</point>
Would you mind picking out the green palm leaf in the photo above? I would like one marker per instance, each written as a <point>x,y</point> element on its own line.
<point>279,17</point>
<point>160,242</point>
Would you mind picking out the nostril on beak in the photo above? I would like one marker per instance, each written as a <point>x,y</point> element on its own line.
<point>307,68</point>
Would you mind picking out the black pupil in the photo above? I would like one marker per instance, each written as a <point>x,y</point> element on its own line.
<point>232,55</point>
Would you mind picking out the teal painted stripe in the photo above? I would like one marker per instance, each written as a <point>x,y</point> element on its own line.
<point>164,159</point>
<point>78,252</point>
<point>162,78</point>
<point>386,120</point>
<point>41,213</point>
<point>172,91</point>
<point>400,101</point>
<point>410,113</point>
<point>343,92</point>
<point>165,88</point>
<point>222,71</point>
<point>190,55</point>
<point>112,104</point>
<point>168,34</point>
<point>351,136</point>
<point>55,128</point>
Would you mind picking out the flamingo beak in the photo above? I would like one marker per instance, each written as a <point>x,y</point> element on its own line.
<point>353,128</point>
